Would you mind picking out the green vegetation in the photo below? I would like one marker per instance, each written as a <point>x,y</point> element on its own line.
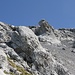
<point>8,73</point>
<point>20,69</point>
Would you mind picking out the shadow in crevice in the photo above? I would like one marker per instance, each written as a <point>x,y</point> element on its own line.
<point>73,45</point>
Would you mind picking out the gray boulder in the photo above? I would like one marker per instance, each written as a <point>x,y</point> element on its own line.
<point>43,27</point>
<point>47,33</point>
<point>25,41</point>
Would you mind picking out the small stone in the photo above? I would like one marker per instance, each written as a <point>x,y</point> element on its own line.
<point>73,51</point>
<point>63,48</point>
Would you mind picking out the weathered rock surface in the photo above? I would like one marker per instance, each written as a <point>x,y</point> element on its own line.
<point>43,27</point>
<point>45,33</point>
<point>3,60</point>
<point>1,72</point>
<point>24,53</point>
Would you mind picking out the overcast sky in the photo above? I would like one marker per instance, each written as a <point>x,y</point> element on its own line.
<point>59,13</point>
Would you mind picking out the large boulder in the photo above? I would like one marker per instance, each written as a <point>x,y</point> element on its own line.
<point>24,41</point>
<point>47,33</point>
<point>43,27</point>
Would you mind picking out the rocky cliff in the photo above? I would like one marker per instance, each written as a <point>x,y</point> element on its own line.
<point>36,50</point>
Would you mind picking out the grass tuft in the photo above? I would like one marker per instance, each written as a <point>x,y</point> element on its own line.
<point>20,69</point>
<point>11,73</point>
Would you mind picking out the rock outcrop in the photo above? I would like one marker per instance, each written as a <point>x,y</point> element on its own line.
<point>22,53</point>
<point>46,33</point>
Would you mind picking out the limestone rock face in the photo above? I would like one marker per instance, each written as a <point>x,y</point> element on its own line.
<point>45,64</point>
<point>21,52</point>
<point>65,34</point>
<point>45,27</point>
<point>3,60</point>
<point>24,41</point>
<point>31,50</point>
<point>3,32</point>
<point>47,33</point>
<point>7,54</point>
